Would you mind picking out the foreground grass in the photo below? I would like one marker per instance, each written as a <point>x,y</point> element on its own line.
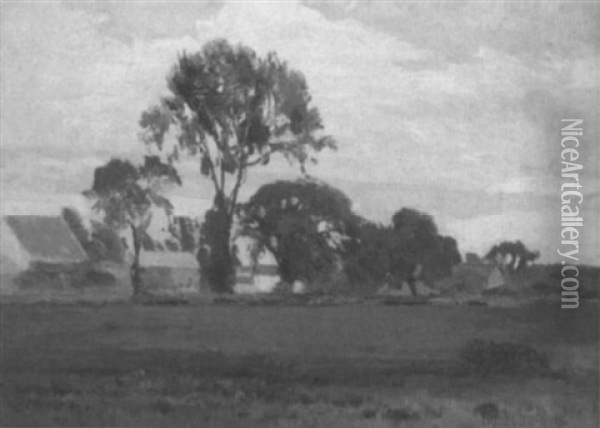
<point>124,365</point>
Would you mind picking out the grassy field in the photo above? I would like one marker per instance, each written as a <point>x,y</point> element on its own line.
<point>224,366</point>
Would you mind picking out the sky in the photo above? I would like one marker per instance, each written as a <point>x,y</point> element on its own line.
<point>453,108</point>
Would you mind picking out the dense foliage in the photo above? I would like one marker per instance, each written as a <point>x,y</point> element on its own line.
<point>514,255</point>
<point>234,110</point>
<point>304,224</point>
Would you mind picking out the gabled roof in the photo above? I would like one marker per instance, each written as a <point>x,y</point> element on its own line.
<point>46,239</point>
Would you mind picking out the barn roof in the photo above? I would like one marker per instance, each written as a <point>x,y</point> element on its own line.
<point>46,239</point>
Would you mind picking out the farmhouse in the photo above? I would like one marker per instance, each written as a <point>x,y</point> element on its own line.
<point>36,241</point>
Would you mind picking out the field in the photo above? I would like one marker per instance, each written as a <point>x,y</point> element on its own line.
<point>122,364</point>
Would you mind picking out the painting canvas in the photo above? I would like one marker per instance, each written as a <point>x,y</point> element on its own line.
<point>303,213</point>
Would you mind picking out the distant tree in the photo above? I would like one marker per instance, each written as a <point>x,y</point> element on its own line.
<point>410,248</point>
<point>234,110</point>
<point>106,244</point>
<point>303,223</point>
<point>126,194</point>
<point>514,255</point>
<point>417,238</point>
<point>438,260</point>
<point>367,261</point>
<point>472,258</point>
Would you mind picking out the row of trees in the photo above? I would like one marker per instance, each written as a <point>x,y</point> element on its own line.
<point>234,111</point>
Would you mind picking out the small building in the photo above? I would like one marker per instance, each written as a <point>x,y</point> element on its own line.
<point>36,241</point>
<point>170,272</point>
<point>474,278</point>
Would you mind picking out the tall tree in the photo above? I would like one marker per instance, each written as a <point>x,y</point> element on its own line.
<point>234,110</point>
<point>126,194</point>
<point>303,223</point>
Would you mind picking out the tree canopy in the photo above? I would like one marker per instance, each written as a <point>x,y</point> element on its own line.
<point>234,110</point>
<point>304,224</point>
<point>410,248</point>
<point>514,255</point>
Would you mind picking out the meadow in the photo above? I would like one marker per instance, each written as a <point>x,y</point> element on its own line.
<point>206,365</point>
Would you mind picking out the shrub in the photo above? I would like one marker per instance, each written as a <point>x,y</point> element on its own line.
<point>487,357</point>
<point>100,278</point>
<point>110,240</point>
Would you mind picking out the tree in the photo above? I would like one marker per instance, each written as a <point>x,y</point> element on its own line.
<point>234,110</point>
<point>409,248</point>
<point>303,223</point>
<point>518,254</point>
<point>367,259</point>
<point>106,243</point>
<point>126,194</point>
<point>417,238</point>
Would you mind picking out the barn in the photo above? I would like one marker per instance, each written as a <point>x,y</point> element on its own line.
<point>36,241</point>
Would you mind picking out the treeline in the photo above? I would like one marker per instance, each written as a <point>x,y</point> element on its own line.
<point>233,111</point>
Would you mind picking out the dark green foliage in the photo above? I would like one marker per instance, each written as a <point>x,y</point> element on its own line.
<point>106,243</point>
<point>367,263</point>
<point>409,249</point>
<point>64,277</point>
<point>126,193</point>
<point>303,223</point>
<point>472,258</point>
<point>148,243</point>
<point>487,357</point>
<point>246,109</point>
<point>97,251</point>
<point>488,411</point>
<point>171,245</point>
<point>419,244</point>
<point>520,256</point>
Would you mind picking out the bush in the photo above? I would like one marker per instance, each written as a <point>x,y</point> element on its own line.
<point>110,240</point>
<point>34,278</point>
<point>487,357</point>
<point>99,278</point>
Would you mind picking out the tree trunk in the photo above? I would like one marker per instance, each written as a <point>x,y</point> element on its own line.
<point>136,278</point>
<point>221,271</point>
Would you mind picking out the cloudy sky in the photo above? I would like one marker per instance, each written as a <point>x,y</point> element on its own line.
<point>453,108</point>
